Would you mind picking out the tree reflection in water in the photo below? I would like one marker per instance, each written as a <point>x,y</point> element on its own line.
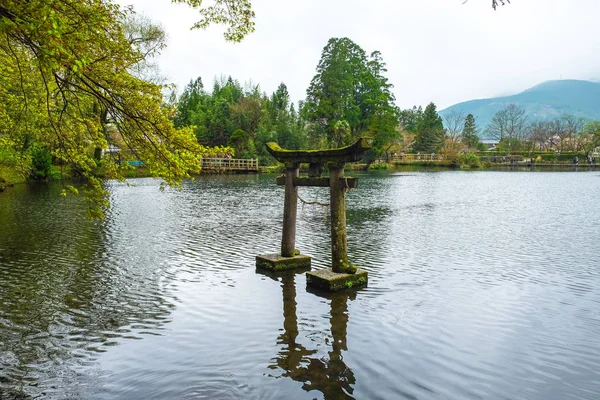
<point>70,289</point>
<point>329,375</point>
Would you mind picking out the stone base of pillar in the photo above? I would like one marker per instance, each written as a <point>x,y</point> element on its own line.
<point>331,281</point>
<point>275,262</point>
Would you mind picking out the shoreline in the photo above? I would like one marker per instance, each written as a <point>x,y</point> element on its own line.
<point>423,166</point>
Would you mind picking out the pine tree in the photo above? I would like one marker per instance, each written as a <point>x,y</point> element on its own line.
<point>430,131</point>
<point>469,133</point>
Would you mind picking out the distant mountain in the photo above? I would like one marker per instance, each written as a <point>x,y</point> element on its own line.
<point>545,101</point>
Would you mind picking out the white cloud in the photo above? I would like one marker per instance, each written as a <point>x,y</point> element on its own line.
<point>435,50</point>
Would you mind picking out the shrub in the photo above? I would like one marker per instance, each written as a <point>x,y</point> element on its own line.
<point>469,160</point>
<point>378,166</point>
<point>41,162</point>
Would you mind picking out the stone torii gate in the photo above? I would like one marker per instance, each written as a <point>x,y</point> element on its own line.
<point>342,274</point>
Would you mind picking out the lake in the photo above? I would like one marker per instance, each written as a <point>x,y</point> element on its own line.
<point>482,285</point>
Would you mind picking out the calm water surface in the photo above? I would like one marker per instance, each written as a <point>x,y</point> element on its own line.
<point>482,285</point>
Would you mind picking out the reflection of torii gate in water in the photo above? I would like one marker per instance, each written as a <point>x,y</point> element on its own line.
<point>342,274</point>
<point>331,377</point>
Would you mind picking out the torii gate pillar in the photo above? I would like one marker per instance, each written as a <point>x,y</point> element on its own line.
<point>339,246</point>
<point>290,208</point>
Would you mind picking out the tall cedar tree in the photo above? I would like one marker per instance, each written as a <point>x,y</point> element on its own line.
<point>350,88</point>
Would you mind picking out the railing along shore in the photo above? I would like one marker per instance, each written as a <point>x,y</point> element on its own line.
<point>229,164</point>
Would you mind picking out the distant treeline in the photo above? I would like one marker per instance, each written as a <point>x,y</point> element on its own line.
<point>350,97</point>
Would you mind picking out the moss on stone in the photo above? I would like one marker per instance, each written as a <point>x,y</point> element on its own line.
<point>351,153</point>
<point>333,282</point>
<point>275,262</point>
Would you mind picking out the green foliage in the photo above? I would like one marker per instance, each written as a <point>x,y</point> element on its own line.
<point>470,137</point>
<point>359,282</point>
<point>237,15</point>
<point>430,131</point>
<point>56,174</point>
<point>11,175</point>
<point>15,164</point>
<point>245,119</point>
<point>220,126</point>
<point>350,97</point>
<point>324,120</point>
<point>41,162</point>
<point>509,145</point>
<point>239,141</point>
<point>189,107</point>
<point>250,151</point>
<point>340,133</point>
<point>548,157</point>
<point>333,92</point>
<point>378,167</point>
<point>409,119</point>
<point>592,130</point>
<point>469,160</point>
<point>73,78</point>
<point>68,83</point>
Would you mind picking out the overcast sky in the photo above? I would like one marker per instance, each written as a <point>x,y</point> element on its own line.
<point>436,50</point>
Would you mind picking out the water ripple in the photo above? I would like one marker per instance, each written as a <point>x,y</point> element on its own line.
<point>481,286</point>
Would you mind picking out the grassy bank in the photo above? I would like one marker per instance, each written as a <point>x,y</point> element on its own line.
<point>10,176</point>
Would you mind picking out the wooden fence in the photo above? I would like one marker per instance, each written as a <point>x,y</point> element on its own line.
<point>416,157</point>
<point>229,164</point>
